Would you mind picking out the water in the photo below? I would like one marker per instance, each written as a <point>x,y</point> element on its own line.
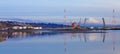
<point>39,42</point>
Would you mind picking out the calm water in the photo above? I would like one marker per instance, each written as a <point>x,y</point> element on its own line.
<point>59,43</point>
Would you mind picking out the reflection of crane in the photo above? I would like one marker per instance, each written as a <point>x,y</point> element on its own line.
<point>73,35</point>
<point>65,49</point>
<point>104,35</point>
<point>113,38</point>
<point>85,37</point>
<point>79,35</point>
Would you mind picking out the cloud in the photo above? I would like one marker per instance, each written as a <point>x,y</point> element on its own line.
<point>93,20</point>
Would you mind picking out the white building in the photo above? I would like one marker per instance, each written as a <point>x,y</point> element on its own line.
<point>25,27</point>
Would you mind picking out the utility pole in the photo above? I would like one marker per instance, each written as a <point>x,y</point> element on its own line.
<point>113,18</point>
<point>65,18</point>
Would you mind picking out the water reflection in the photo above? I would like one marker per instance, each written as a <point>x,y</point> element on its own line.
<point>113,40</point>
<point>72,42</point>
<point>7,35</point>
<point>91,37</point>
<point>3,36</point>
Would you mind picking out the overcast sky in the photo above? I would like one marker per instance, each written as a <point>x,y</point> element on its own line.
<point>56,7</point>
<point>88,8</point>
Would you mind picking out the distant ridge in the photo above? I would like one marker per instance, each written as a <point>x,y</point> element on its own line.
<point>44,25</point>
<point>12,21</point>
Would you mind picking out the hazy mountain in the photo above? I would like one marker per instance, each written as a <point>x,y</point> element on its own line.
<point>17,20</point>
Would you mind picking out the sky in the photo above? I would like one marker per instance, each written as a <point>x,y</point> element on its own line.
<point>87,8</point>
<point>51,7</point>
